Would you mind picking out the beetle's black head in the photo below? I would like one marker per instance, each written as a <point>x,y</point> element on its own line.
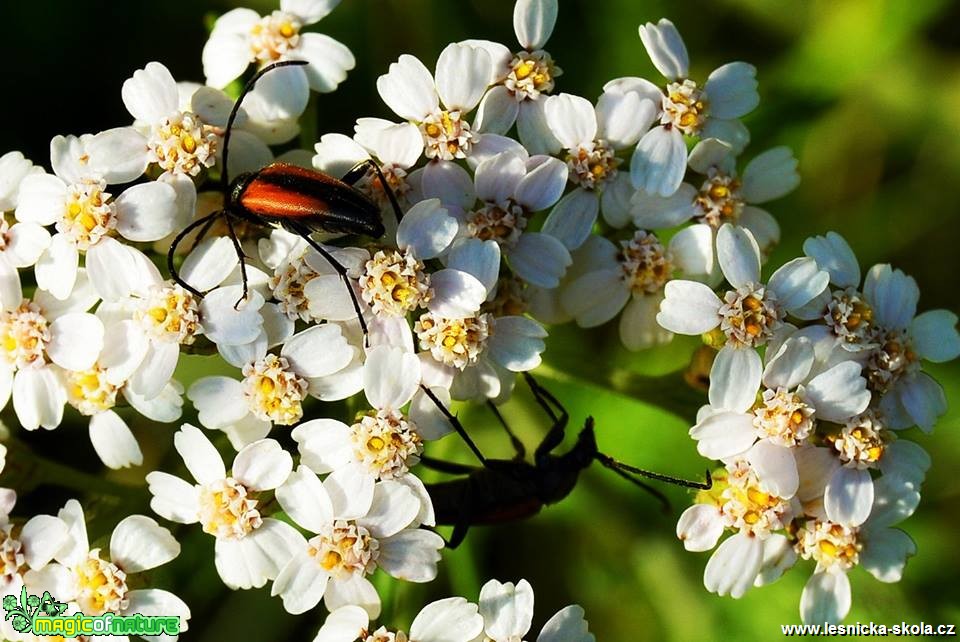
<point>559,474</point>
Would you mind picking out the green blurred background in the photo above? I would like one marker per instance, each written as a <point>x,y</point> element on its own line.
<point>867,93</point>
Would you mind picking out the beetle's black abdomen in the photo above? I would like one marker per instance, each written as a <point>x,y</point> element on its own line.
<point>282,193</point>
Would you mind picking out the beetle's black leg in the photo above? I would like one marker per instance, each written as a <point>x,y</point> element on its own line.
<point>457,426</point>
<point>174,274</point>
<point>557,432</point>
<point>360,170</point>
<point>243,261</point>
<point>518,447</point>
<point>460,530</point>
<point>201,234</point>
<point>336,265</point>
<point>451,467</point>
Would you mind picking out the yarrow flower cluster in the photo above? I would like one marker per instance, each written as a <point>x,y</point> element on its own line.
<point>507,205</point>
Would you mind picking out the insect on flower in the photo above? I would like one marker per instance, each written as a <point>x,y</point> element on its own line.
<point>299,200</point>
<point>504,490</point>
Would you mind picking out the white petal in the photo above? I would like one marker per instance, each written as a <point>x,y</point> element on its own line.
<point>735,379</point>
<point>894,500</point>
<point>497,178</point>
<point>350,489</point>
<point>699,527</point>
<point>318,351</point>
<point>301,584</point>
<point>394,507</point>
<point>712,154</point>
<point>923,399</point>
<point>481,259</point>
<point>304,498</point>
<point>640,86</point>
<point>262,465</point>
<point>42,198</point>
<point>692,250</point>
<point>839,393</point>
<point>450,183</point>
<point>763,226</point>
<point>724,434</point>
<point>729,131</point>
<point>219,401</point>
<point>595,297</point>
<point>622,118</point>
<point>572,219</point>
<point>738,255</point>
<point>329,61</point>
<point>248,153</point>
<point>426,229</point>
<point>732,90</point>
<point>11,294</point>
<point>825,598</point>
<point>42,537</point>
<point>539,259</point>
<point>652,211</point>
<point>893,296</point>
<point>210,263</point>
<point>689,308</point>
<point>905,459</point>
<point>665,48</point>
<point>56,271</point>
<point>517,343</point>
<point>408,89</point>
<point>355,591</point>
<point>659,162</point>
<point>309,11</point>
<point>149,367</point>
<point>159,603</point>
<point>935,337</point>
<point>571,119</point>
<point>146,212</point>
<point>118,155</point>
<point>75,340</point>
<point>173,498</point>
<point>116,270</point>
<point>114,442</point>
<point>25,243</point>
<point>78,543</point>
<point>38,398</point>
<point>778,556</point>
<point>543,184</point>
<point>226,322</point>
<point>431,423</point>
<point>450,620</point>
<point>533,22</point>
<point>150,95</point>
<point>456,294</point>
<point>497,111</point>
<point>567,625</point>
<point>770,175</point>
<point>411,555</point>
<point>790,364</point>
<point>885,553</point>
<point>776,468</point>
<point>201,458</point>
<point>507,610</point>
<point>734,566</point>
<point>13,169</point>
<point>463,74</point>
<point>849,496</point>
<point>834,255</point>
<point>533,129</point>
<point>391,376</point>
<point>258,557</point>
<point>138,543</point>
<point>797,282</point>
<point>615,200</point>
<point>165,407</point>
<point>344,624</point>
<point>225,56</point>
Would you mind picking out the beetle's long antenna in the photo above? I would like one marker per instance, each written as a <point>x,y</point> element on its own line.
<point>617,466</point>
<point>452,418</point>
<point>174,274</point>
<point>224,178</point>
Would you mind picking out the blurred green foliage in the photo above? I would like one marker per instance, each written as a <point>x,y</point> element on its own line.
<point>866,92</point>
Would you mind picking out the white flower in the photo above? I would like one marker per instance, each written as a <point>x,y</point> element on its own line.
<point>510,188</point>
<point>99,585</point>
<point>250,549</point>
<point>241,37</point>
<point>881,550</point>
<point>274,385</point>
<point>22,243</point>
<point>354,537</point>
<point>507,611</point>
<point>739,502</point>
<point>76,200</point>
<point>723,197</point>
<point>882,323</point>
<point>522,79</point>
<point>26,548</point>
<point>751,312</point>
<point>684,108</point>
<point>450,620</point>
<point>439,105</point>
<point>591,137</point>
<point>762,414</point>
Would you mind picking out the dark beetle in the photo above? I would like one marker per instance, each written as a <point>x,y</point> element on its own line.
<point>504,490</point>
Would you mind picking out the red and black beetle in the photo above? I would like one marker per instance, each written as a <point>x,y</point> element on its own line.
<point>299,200</point>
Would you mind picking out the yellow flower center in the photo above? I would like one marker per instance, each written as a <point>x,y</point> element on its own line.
<point>394,283</point>
<point>274,391</point>
<point>227,510</point>
<point>273,36</point>
<point>455,342</point>
<point>101,585</point>
<point>345,550</point>
<point>646,266</point>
